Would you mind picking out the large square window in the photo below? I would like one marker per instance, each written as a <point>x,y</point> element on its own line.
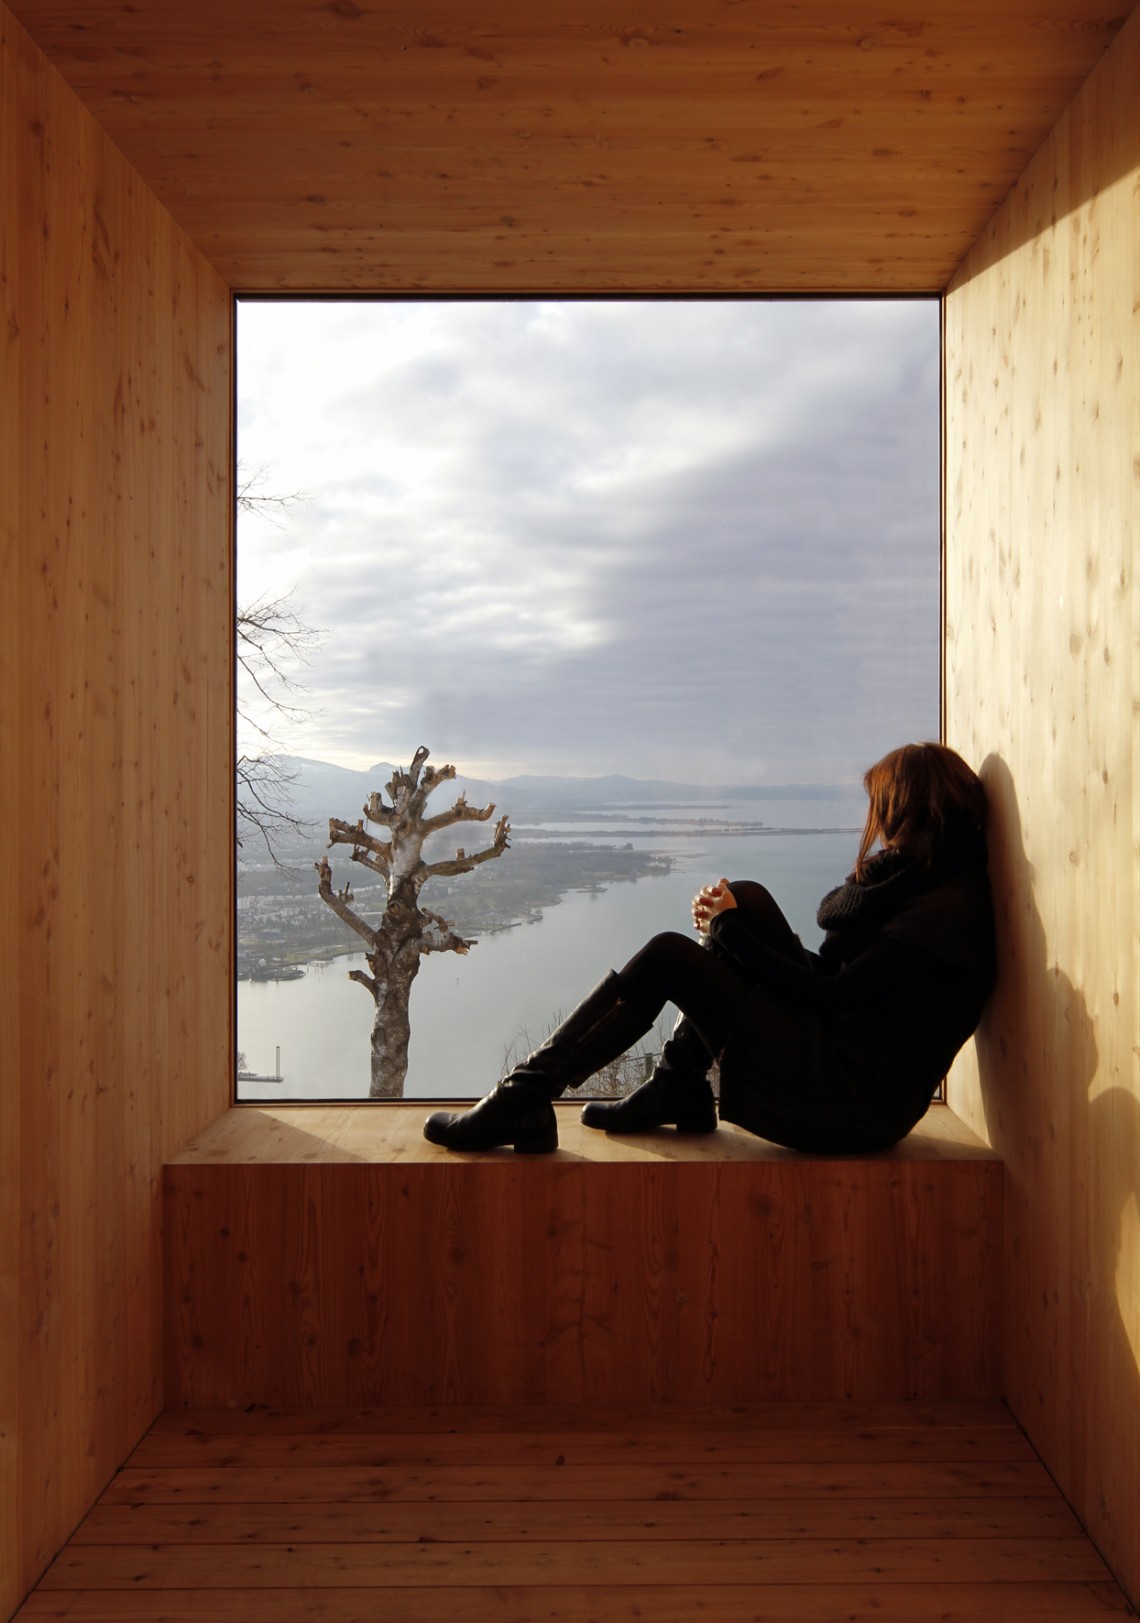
<point>659,578</point>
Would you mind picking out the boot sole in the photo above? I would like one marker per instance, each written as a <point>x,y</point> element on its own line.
<point>524,1144</point>
<point>694,1129</point>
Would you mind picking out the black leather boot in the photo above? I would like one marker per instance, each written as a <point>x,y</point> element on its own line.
<point>515,1113</point>
<point>518,1111</point>
<point>678,1093</point>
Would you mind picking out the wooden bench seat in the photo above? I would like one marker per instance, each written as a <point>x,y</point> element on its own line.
<point>327,1255</point>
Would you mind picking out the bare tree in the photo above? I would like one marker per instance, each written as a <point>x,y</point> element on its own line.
<point>252,499</point>
<point>272,640</point>
<point>406,931</point>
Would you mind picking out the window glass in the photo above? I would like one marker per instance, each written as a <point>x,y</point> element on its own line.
<point>660,579</point>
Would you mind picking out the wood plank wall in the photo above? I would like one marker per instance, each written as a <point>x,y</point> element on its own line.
<point>1043,609</point>
<point>115,719</point>
<point>526,1279</point>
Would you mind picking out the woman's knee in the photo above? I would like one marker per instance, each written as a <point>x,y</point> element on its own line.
<point>751,893</point>
<point>763,912</point>
<point>669,947</point>
<point>757,901</point>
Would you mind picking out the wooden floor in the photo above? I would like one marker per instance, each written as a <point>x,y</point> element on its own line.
<point>724,1515</point>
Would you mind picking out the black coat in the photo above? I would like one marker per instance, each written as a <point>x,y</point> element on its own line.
<point>841,1050</point>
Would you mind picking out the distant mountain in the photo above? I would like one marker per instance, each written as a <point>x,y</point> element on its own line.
<point>615,790</point>
<point>321,791</point>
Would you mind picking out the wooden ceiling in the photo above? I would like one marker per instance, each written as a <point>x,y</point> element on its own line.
<point>571,145</point>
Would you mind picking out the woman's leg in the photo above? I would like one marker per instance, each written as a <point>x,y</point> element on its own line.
<point>517,1111</point>
<point>685,1053</point>
<point>700,977</point>
<point>708,989</point>
<point>706,986</point>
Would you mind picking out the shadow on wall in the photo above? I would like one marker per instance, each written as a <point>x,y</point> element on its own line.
<point>1036,1012</point>
<point>1070,1140</point>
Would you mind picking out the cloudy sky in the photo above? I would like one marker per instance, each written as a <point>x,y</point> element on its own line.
<point>686,540</point>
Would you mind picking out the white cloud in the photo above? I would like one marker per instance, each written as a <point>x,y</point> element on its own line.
<point>592,537</point>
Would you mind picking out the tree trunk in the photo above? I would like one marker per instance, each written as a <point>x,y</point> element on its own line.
<point>392,1028</point>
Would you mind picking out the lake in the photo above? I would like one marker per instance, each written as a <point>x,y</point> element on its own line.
<point>468,1011</point>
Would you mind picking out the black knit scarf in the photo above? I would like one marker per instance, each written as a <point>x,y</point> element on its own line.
<point>856,908</point>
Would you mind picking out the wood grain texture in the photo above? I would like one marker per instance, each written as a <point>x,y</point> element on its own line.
<point>564,147</point>
<point>829,1511</point>
<point>494,1278</point>
<point>232,1483</point>
<point>114,716</point>
<point>630,1564</point>
<point>935,1600</point>
<point>605,1520</point>
<point>1043,683</point>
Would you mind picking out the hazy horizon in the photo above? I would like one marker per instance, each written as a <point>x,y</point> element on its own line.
<point>462,774</point>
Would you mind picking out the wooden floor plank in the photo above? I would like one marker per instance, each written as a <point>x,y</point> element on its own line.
<point>300,1480</point>
<point>600,1519</point>
<point>607,1565</point>
<point>657,1419</point>
<point>966,1602</point>
<point>570,1447</point>
<point>820,1515</point>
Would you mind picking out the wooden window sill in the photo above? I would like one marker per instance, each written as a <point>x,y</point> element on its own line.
<point>392,1133</point>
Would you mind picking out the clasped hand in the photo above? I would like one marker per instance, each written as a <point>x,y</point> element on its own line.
<point>709,901</point>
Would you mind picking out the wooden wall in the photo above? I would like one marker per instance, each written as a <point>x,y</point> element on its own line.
<point>115,722</point>
<point>1042,662</point>
<point>521,1282</point>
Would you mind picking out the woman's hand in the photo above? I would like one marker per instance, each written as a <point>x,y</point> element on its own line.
<point>709,901</point>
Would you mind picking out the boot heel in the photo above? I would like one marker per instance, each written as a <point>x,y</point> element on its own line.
<point>696,1124</point>
<point>540,1141</point>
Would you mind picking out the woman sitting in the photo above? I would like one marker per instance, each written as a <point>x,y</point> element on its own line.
<point>838,1050</point>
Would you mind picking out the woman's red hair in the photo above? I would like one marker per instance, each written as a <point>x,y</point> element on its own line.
<point>916,795</point>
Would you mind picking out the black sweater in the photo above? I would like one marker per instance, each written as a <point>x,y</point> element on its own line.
<point>874,1018</point>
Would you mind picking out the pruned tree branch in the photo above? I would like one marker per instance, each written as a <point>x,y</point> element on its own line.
<point>377,812</point>
<point>339,901</point>
<point>461,812</point>
<point>445,939</point>
<point>401,786</point>
<point>462,863</point>
<point>366,848</point>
